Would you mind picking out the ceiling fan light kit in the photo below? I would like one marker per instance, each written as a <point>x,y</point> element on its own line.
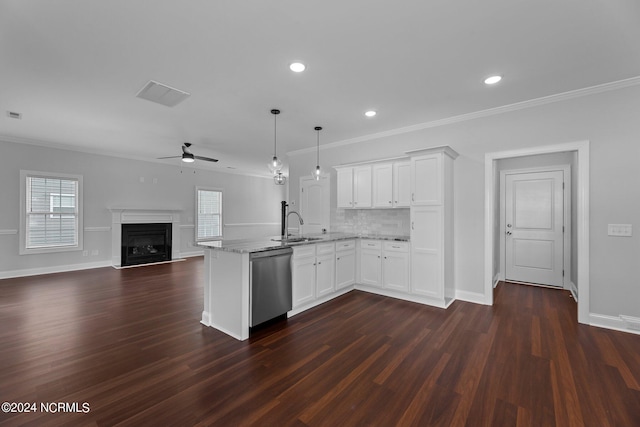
<point>188,157</point>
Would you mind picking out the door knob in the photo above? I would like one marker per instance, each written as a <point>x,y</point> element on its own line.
<point>509,225</point>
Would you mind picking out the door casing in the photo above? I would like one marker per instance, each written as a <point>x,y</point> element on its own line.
<point>566,170</point>
<point>582,215</point>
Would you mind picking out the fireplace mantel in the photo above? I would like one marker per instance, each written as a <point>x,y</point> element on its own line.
<point>121,216</point>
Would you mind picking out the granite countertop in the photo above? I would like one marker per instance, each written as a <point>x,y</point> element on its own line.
<point>267,244</point>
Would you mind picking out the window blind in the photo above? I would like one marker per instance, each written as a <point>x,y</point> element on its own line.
<point>209,214</point>
<point>51,212</point>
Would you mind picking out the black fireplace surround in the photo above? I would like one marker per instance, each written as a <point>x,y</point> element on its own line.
<point>145,243</point>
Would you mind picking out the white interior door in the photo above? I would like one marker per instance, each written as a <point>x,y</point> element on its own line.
<point>314,204</point>
<point>534,226</point>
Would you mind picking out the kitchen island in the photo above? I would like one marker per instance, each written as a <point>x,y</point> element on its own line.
<point>227,281</point>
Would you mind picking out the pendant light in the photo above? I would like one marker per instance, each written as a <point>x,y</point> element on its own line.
<point>279,179</point>
<point>275,165</point>
<point>317,171</point>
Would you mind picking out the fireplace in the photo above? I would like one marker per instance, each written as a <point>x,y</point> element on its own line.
<point>145,243</point>
<point>121,217</point>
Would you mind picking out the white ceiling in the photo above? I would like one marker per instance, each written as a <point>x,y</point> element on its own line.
<point>73,68</point>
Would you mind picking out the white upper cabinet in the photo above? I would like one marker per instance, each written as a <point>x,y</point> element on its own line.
<point>376,185</point>
<point>345,187</point>
<point>362,186</point>
<point>426,180</point>
<point>383,185</point>
<point>402,185</point>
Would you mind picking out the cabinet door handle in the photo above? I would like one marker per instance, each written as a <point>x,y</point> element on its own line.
<point>413,199</point>
<point>319,263</point>
<point>338,259</point>
<point>396,247</point>
<point>378,256</point>
<point>412,226</point>
<point>389,201</point>
<point>385,257</point>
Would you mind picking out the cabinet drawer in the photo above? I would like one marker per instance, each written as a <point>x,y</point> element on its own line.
<point>304,251</point>
<point>324,248</point>
<point>396,246</point>
<point>370,244</point>
<point>345,245</point>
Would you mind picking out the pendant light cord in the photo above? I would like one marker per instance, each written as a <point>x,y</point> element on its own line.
<point>318,129</point>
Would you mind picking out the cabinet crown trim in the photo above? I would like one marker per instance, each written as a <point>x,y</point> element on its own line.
<point>372,162</point>
<point>441,149</point>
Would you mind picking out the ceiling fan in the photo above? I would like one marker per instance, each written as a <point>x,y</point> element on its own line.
<point>188,156</point>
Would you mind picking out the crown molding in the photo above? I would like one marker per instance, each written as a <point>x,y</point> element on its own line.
<point>536,102</point>
<point>75,149</point>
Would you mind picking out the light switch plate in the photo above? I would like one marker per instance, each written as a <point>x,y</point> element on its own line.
<point>620,230</point>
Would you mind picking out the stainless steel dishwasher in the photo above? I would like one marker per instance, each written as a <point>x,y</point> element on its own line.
<point>271,292</point>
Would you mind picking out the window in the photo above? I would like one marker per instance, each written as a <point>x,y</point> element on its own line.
<point>208,214</point>
<point>51,212</point>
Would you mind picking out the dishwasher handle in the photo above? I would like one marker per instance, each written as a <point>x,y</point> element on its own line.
<point>270,253</point>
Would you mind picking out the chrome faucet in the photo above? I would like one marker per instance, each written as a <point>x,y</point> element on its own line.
<point>286,224</point>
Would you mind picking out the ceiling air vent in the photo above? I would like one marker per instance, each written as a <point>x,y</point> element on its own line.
<point>14,115</point>
<point>162,94</point>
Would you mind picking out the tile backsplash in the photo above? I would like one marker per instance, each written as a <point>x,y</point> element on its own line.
<point>371,221</point>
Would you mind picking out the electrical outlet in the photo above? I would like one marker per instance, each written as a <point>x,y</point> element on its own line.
<point>95,252</point>
<point>85,253</point>
<point>619,230</point>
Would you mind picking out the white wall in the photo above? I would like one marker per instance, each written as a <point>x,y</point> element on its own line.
<point>608,120</point>
<point>251,205</point>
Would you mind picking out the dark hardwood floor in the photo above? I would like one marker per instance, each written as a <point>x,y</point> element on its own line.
<point>130,345</point>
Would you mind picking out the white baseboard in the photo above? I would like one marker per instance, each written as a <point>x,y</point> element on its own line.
<point>192,254</point>
<point>617,323</point>
<point>322,300</point>
<point>473,297</point>
<point>55,269</point>
<point>496,279</point>
<point>406,297</point>
<point>574,290</point>
<point>206,318</point>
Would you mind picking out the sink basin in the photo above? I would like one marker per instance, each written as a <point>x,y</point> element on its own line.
<point>297,239</point>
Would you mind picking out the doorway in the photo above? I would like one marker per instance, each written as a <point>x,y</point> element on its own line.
<point>535,216</point>
<point>493,230</point>
<point>315,205</point>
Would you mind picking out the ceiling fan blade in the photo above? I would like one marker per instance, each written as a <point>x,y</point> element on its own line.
<point>208,159</point>
<point>170,157</point>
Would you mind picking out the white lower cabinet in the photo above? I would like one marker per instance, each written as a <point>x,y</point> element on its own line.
<point>345,263</point>
<point>312,272</point>
<point>385,264</point>
<point>325,269</point>
<point>395,266</point>
<point>371,263</point>
<point>303,274</point>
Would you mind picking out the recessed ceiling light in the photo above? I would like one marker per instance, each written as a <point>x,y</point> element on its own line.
<point>370,113</point>
<point>492,80</point>
<point>297,67</point>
